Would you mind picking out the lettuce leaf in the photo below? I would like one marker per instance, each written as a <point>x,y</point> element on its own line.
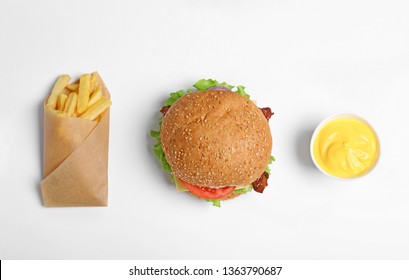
<point>216,202</point>
<point>241,91</point>
<point>268,170</point>
<point>243,190</point>
<point>173,97</point>
<point>158,151</point>
<point>206,84</point>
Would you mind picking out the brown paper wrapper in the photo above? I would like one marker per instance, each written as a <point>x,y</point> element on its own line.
<point>75,169</point>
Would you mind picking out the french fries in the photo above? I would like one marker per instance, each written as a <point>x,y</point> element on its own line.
<point>83,93</point>
<point>93,81</point>
<point>73,86</point>
<point>95,96</point>
<point>71,104</point>
<point>83,98</point>
<point>58,89</point>
<point>97,109</point>
<point>62,98</point>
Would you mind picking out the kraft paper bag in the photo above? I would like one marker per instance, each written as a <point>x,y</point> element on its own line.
<point>75,169</point>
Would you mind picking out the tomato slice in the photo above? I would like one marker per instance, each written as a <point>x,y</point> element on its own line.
<point>208,193</point>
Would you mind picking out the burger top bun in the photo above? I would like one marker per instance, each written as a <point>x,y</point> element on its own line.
<point>216,139</point>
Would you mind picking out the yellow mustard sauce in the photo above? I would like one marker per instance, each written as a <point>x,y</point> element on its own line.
<point>346,147</point>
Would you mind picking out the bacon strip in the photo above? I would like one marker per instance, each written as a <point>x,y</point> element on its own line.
<point>261,183</point>
<point>267,112</point>
<point>164,110</point>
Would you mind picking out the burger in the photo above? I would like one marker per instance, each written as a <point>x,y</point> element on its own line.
<point>215,141</point>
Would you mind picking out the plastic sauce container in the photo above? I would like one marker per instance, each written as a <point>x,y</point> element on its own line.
<point>345,146</point>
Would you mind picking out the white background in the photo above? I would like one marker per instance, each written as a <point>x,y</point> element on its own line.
<point>304,59</point>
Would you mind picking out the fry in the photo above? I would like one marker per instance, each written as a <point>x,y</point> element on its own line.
<point>73,87</point>
<point>83,93</point>
<point>95,97</point>
<point>71,104</point>
<point>58,88</point>
<point>95,110</point>
<point>62,98</point>
<point>94,82</point>
<point>59,113</point>
<point>65,91</point>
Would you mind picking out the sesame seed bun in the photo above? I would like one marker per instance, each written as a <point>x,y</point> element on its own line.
<point>216,139</point>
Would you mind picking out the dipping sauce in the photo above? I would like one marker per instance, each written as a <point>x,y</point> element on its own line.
<point>345,147</point>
